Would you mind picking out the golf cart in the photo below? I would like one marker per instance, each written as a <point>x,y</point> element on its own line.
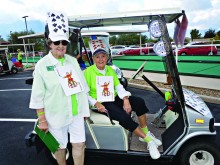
<point>6,65</point>
<point>184,123</point>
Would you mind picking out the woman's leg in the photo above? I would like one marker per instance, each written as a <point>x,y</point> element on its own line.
<point>60,155</point>
<point>77,139</point>
<point>139,107</point>
<point>78,150</point>
<point>61,136</point>
<point>142,120</point>
<point>117,113</point>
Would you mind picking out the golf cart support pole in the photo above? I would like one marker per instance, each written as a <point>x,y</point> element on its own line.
<point>83,45</point>
<point>153,86</point>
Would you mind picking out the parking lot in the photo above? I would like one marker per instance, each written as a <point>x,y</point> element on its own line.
<point>16,120</point>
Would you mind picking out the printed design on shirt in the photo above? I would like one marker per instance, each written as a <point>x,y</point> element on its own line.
<point>69,79</point>
<point>105,88</point>
<point>105,91</point>
<point>71,82</point>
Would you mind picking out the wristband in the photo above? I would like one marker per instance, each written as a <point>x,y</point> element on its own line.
<point>40,113</point>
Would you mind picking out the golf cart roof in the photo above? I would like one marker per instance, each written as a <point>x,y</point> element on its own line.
<point>37,35</point>
<point>85,34</point>
<point>124,18</point>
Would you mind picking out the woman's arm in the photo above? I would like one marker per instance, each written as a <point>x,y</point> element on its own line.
<point>127,105</point>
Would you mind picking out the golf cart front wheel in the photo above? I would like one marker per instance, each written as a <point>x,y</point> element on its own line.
<point>199,153</point>
<point>14,70</point>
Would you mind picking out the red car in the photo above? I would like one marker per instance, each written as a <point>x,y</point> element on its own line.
<point>197,48</point>
<point>135,51</point>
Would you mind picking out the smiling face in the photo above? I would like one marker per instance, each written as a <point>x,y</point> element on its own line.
<point>58,51</point>
<point>100,60</point>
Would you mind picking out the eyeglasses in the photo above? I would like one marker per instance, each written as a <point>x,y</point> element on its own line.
<point>64,42</point>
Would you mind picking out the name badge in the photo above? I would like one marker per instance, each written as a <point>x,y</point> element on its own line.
<point>50,68</point>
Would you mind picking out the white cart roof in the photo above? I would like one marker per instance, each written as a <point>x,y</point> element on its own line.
<point>124,18</point>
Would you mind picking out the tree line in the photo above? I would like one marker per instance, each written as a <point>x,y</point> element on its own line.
<point>122,39</point>
<point>195,34</point>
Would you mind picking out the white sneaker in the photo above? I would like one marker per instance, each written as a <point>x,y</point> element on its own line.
<point>156,141</point>
<point>152,147</point>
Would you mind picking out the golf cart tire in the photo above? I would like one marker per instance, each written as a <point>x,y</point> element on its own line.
<point>14,70</point>
<point>183,54</point>
<point>210,53</point>
<point>30,139</point>
<point>197,153</point>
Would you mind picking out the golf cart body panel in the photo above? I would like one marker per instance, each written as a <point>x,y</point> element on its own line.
<point>6,65</point>
<point>183,125</point>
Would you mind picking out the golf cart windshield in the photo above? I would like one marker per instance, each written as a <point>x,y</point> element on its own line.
<point>138,18</point>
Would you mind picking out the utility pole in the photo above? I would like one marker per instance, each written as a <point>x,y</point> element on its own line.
<point>12,41</point>
<point>26,23</point>
<point>28,39</point>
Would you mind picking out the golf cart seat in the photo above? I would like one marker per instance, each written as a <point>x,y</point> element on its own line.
<point>104,133</point>
<point>101,118</point>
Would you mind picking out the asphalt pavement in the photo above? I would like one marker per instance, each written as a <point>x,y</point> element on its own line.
<point>14,102</point>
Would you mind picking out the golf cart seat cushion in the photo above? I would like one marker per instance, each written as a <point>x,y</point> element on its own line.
<point>112,137</point>
<point>99,118</point>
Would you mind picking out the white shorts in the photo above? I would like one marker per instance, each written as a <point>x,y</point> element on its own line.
<point>76,131</point>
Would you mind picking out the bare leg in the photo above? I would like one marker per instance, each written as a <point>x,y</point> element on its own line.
<point>78,150</point>
<point>61,156</point>
<point>139,133</point>
<point>142,120</point>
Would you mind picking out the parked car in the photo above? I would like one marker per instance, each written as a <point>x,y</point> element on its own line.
<point>87,49</point>
<point>117,48</point>
<point>84,56</point>
<point>197,48</point>
<point>133,47</point>
<point>135,51</point>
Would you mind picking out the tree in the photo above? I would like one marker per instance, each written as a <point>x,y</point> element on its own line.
<point>127,39</point>
<point>210,33</point>
<point>13,38</point>
<point>1,39</point>
<point>195,34</point>
<point>218,33</point>
<point>217,38</point>
<point>113,40</point>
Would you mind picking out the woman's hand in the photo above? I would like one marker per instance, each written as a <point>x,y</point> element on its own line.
<point>42,122</point>
<point>42,125</point>
<point>100,107</point>
<point>127,105</point>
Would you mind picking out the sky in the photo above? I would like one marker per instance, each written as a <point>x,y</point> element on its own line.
<point>202,14</point>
